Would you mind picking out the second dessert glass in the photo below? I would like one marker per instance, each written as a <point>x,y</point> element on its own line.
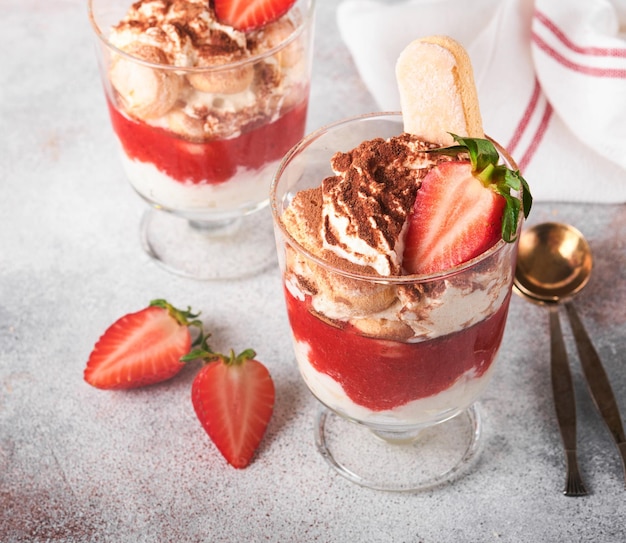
<point>398,414</point>
<point>200,143</point>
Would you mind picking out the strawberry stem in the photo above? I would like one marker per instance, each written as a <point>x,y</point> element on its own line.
<point>205,353</point>
<point>181,317</point>
<point>485,175</point>
<point>248,354</point>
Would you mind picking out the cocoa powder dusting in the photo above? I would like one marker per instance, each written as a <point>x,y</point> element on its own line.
<point>369,200</point>
<point>375,188</point>
<point>169,22</point>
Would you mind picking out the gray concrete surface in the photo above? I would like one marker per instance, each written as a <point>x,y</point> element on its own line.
<point>80,465</point>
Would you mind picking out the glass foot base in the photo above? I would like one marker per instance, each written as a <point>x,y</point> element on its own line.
<point>438,455</point>
<point>224,249</point>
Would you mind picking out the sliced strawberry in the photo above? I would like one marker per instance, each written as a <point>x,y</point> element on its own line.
<point>464,207</point>
<point>455,218</point>
<point>233,398</point>
<point>141,348</point>
<point>248,15</point>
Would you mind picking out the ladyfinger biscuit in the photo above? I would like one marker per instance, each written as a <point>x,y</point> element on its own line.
<point>437,90</point>
<point>145,92</point>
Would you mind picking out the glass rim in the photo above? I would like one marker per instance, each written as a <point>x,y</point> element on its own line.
<point>102,37</point>
<point>374,278</point>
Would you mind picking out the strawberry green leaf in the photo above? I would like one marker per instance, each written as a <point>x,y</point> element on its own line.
<point>482,152</point>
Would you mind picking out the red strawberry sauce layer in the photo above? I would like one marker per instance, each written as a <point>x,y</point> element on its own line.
<point>382,374</point>
<point>214,161</point>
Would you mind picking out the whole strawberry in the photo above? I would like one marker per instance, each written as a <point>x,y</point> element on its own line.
<point>233,397</point>
<point>142,348</point>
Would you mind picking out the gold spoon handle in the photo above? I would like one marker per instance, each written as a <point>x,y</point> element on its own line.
<point>565,404</point>
<point>598,382</point>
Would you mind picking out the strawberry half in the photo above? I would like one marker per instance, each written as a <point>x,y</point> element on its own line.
<point>248,15</point>
<point>454,219</point>
<point>233,398</point>
<point>141,348</point>
<point>463,208</point>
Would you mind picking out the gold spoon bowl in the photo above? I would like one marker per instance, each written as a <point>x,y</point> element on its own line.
<point>554,262</point>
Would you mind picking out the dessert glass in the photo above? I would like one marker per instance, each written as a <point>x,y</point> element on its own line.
<point>206,177</point>
<point>397,414</point>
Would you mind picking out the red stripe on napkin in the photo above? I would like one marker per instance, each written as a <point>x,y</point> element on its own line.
<point>538,136</point>
<point>586,70</point>
<point>591,51</point>
<point>524,124</point>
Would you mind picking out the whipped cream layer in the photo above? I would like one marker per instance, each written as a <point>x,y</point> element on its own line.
<point>248,190</point>
<point>366,204</point>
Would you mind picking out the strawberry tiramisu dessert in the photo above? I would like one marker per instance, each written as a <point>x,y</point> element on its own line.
<point>398,264</point>
<point>206,96</point>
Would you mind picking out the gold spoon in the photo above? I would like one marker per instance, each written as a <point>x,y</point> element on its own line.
<point>554,264</point>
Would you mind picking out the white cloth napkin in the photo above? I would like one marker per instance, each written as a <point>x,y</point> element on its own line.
<point>551,79</point>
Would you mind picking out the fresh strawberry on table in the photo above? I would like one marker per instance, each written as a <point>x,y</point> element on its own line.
<point>248,15</point>
<point>142,348</point>
<point>233,397</point>
<point>463,208</point>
